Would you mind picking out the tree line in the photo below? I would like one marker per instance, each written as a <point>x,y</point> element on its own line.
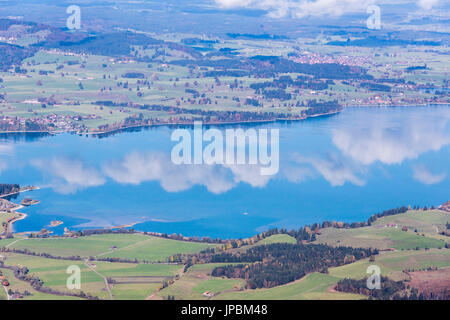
<point>9,188</point>
<point>267,266</point>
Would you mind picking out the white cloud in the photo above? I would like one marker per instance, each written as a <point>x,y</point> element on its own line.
<point>336,171</point>
<point>303,8</point>
<point>425,176</point>
<point>136,168</point>
<point>68,175</point>
<point>387,141</point>
<point>250,174</point>
<point>428,4</point>
<point>297,174</point>
<point>6,149</point>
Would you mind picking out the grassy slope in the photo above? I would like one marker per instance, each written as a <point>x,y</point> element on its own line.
<point>382,237</point>
<point>193,284</point>
<point>278,238</point>
<point>429,221</point>
<point>17,285</point>
<point>316,286</point>
<point>5,242</point>
<point>313,286</point>
<point>133,291</point>
<point>53,273</point>
<point>392,263</point>
<point>157,249</point>
<point>198,280</point>
<point>128,246</point>
<point>138,281</point>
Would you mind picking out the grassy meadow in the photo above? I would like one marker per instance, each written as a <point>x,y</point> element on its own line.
<point>133,246</point>
<point>419,248</point>
<point>386,232</point>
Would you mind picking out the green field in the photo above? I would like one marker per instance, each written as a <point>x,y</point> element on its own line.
<point>53,273</point>
<point>21,286</point>
<point>196,282</point>
<point>134,246</point>
<point>315,286</point>
<point>99,77</point>
<point>418,248</point>
<point>133,291</point>
<point>6,242</point>
<point>383,235</point>
<point>278,238</point>
<point>392,263</point>
<point>430,221</point>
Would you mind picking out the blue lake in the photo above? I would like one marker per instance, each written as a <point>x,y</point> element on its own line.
<point>343,168</point>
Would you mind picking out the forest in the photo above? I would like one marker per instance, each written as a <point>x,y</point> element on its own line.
<point>390,290</point>
<point>267,266</point>
<point>9,188</point>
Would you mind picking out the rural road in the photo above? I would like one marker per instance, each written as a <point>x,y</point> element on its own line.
<point>6,291</point>
<point>13,243</point>
<point>102,276</point>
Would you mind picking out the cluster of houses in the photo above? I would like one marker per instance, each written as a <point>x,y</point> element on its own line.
<point>51,122</point>
<point>315,58</point>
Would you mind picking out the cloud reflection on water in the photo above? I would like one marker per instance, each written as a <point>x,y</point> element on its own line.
<point>388,138</point>
<point>391,142</point>
<point>422,174</point>
<point>69,175</point>
<point>138,167</point>
<point>334,169</point>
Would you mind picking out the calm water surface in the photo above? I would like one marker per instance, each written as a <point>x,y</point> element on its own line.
<point>344,167</point>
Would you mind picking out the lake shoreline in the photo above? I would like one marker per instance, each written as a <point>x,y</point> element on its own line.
<point>26,189</point>
<point>193,238</point>
<point>20,216</point>
<point>218,123</point>
<point>192,202</point>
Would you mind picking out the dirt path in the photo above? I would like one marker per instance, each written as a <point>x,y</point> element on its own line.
<point>7,246</point>
<point>126,247</point>
<point>150,297</point>
<point>332,289</point>
<point>6,291</point>
<point>86,263</point>
<point>180,273</point>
